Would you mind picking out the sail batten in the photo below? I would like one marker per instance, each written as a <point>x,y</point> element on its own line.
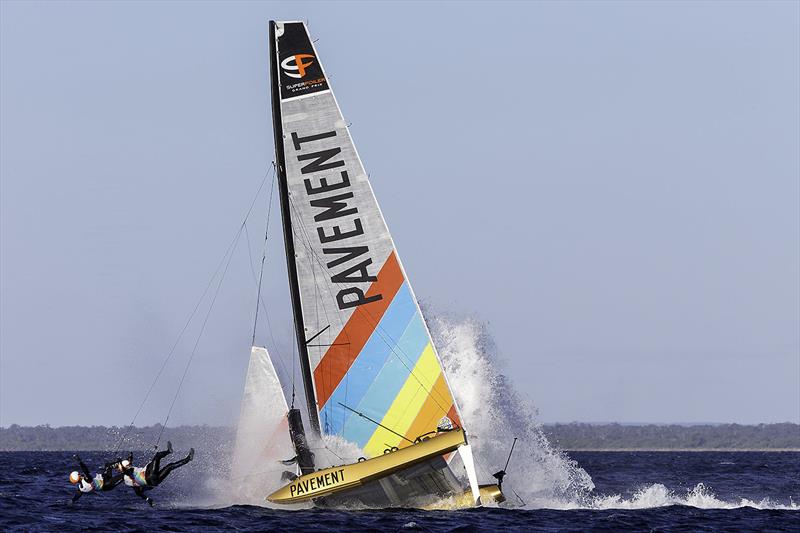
<point>371,350</point>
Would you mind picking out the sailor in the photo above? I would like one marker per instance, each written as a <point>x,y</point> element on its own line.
<point>106,480</point>
<point>445,424</point>
<point>145,478</point>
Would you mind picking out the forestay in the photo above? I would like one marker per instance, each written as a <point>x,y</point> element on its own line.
<point>367,345</point>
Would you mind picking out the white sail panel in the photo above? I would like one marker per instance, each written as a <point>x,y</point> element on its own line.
<point>262,435</point>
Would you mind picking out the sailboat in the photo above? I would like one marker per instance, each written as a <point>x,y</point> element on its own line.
<point>370,371</point>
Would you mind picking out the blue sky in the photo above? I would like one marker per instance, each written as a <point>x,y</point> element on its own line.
<point>613,187</point>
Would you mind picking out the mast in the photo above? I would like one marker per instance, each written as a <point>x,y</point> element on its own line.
<point>288,237</point>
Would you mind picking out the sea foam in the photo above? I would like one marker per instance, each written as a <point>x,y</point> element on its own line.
<point>539,475</point>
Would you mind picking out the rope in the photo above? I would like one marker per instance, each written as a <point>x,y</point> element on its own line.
<point>196,343</point>
<point>263,258</point>
<point>229,255</point>
<point>124,436</point>
<point>264,309</point>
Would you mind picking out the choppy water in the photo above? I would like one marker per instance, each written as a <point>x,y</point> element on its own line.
<point>608,491</point>
<point>664,491</point>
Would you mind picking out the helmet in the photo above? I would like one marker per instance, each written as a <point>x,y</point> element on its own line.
<point>124,463</point>
<point>445,424</point>
<point>74,477</point>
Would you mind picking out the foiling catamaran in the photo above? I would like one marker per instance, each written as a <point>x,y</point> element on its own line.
<point>370,372</point>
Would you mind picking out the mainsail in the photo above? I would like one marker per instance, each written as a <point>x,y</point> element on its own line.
<point>365,349</point>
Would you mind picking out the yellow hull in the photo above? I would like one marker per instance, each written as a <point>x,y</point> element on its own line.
<point>338,479</point>
<point>489,494</point>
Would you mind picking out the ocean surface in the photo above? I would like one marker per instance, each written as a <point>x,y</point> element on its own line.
<point>633,491</point>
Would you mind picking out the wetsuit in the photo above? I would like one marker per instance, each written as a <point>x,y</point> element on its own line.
<point>106,480</point>
<point>143,479</point>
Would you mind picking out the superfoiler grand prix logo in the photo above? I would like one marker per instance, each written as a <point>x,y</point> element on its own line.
<point>295,66</point>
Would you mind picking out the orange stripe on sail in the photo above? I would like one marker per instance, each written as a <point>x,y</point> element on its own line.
<point>351,340</point>
<point>452,414</point>
<point>431,412</point>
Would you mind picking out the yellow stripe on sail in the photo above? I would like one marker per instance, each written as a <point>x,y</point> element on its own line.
<point>406,405</point>
<point>432,411</point>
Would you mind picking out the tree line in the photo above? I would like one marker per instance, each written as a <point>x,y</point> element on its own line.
<point>674,437</point>
<point>565,436</point>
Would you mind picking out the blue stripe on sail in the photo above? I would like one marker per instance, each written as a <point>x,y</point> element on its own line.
<point>369,361</point>
<point>386,386</point>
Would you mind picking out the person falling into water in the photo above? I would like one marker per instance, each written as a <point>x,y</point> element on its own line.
<point>145,478</point>
<point>85,483</point>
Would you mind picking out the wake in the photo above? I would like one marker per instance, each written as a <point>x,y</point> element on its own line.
<point>701,497</point>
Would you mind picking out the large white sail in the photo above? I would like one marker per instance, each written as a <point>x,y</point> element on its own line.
<point>366,349</point>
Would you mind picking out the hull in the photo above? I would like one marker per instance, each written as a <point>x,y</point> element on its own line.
<point>489,493</point>
<point>416,475</point>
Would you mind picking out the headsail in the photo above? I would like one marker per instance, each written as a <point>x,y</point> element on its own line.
<point>363,340</point>
<point>262,433</point>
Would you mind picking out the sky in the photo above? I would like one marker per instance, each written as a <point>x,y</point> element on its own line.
<point>613,188</point>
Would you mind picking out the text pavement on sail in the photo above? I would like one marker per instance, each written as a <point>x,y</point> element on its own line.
<point>350,294</point>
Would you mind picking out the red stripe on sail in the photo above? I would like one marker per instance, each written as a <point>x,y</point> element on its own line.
<point>452,414</point>
<point>351,340</point>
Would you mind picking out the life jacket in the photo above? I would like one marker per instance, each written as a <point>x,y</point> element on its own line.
<point>85,486</point>
<point>137,479</point>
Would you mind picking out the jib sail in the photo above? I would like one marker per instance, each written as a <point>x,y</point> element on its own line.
<point>365,347</point>
<point>261,436</point>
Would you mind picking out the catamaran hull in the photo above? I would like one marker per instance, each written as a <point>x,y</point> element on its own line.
<point>397,478</point>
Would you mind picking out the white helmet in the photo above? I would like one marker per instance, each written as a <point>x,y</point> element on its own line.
<point>125,463</point>
<point>74,477</point>
<point>445,424</point>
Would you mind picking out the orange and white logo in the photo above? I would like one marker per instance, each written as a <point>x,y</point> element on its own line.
<point>295,66</point>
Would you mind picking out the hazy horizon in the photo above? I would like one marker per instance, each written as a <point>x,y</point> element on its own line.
<point>612,188</point>
<point>588,422</point>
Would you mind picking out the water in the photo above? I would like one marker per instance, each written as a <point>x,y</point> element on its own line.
<point>550,490</point>
<point>665,491</point>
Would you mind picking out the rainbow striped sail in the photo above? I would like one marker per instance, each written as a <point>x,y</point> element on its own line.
<point>371,371</point>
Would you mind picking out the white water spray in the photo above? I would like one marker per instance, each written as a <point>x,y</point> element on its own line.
<point>544,477</point>
<point>494,413</point>
<point>657,495</point>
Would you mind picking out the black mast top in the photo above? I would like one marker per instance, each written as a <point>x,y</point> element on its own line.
<point>288,238</point>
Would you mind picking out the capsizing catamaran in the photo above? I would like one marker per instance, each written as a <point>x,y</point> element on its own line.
<point>370,371</point>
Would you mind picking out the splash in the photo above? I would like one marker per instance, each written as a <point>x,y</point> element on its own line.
<point>701,496</point>
<point>494,413</point>
<point>540,475</point>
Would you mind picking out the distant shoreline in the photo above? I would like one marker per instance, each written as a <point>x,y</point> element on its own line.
<point>695,438</point>
<point>568,437</point>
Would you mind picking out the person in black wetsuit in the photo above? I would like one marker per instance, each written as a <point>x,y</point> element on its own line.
<point>145,478</point>
<point>85,483</point>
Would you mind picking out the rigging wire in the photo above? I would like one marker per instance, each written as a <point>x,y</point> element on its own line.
<point>263,306</point>
<point>257,281</point>
<point>197,342</point>
<point>263,258</point>
<point>171,352</point>
<point>232,249</point>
